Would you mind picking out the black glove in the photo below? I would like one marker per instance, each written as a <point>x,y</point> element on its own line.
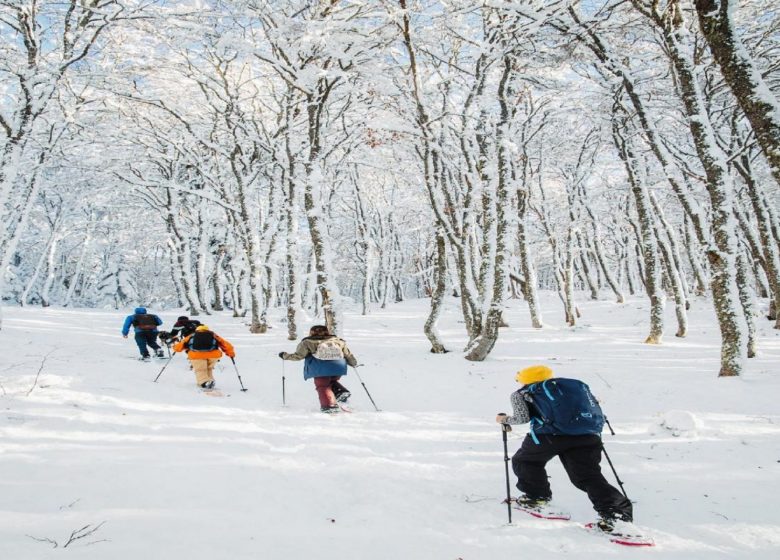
<point>281,355</point>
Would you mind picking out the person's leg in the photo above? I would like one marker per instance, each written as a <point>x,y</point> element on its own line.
<point>339,391</point>
<point>140,341</point>
<point>582,463</point>
<point>528,464</point>
<point>324,392</point>
<point>211,362</point>
<point>201,369</point>
<point>151,340</point>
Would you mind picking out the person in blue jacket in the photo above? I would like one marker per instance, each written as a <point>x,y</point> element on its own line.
<point>325,360</point>
<point>145,327</point>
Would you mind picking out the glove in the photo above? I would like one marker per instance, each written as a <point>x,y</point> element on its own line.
<point>282,355</point>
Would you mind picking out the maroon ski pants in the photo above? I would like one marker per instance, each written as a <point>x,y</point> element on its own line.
<point>325,386</point>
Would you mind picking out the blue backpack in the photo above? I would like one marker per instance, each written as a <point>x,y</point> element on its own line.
<point>563,407</point>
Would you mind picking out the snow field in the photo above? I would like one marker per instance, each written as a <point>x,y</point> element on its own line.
<point>175,473</point>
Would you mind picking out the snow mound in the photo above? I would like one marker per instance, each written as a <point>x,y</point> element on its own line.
<point>681,423</point>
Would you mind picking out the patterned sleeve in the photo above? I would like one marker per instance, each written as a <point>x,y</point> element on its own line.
<point>520,414</point>
<point>348,356</point>
<point>300,352</point>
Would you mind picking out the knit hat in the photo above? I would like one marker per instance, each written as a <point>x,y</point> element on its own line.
<point>201,328</point>
<point>183,318</point>
<point>533,374</point>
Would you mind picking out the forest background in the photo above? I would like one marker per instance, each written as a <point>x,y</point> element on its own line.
<point>310,155</point>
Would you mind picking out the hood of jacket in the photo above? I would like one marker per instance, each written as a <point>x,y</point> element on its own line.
<point>140,310</point>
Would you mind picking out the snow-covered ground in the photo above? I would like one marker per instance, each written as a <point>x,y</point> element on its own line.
<point>175,474</point>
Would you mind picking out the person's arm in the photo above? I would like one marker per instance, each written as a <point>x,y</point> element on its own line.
<point>226,347</point>
<point>179,346</point>
<point>520,413</point>
<point>351,360</point>
<point>126,326</point>
<point>300,352</point>
<point>158,320</point>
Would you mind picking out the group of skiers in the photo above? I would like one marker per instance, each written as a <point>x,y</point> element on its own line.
<point>325,355</point>
<point>565,419</point>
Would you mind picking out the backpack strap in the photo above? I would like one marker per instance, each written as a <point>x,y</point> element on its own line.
<point>531,429</point>
<point>546,390</point>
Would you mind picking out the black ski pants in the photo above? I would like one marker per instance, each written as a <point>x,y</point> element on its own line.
<point>144,339</point>
<point>581,457</point>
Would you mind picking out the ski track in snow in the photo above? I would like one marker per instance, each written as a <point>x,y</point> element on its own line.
<point>178,474</point>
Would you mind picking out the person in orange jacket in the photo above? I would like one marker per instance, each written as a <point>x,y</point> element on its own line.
<point>205,349</point>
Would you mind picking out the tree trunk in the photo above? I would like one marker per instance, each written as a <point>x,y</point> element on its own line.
<point>716,20</point>
<point>437,297</point>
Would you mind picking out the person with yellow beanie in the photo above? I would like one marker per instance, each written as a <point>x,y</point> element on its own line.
<point>565,422</point>
<point>204,349</point>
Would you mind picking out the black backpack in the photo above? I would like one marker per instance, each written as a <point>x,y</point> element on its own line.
<point>202,341</point>
<point>145,322</point>
<point>189,327</point>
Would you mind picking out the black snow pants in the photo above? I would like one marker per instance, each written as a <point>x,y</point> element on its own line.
<point>144,339</point>
<point>581,457</point>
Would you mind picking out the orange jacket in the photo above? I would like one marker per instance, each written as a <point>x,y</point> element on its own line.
<point>206,354</point>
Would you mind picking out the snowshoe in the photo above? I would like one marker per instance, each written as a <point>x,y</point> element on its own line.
<point>540,508</point>
<point>343,396</point>
<point>620,532</point>
<point>144,359</point>
<point>330,409</point>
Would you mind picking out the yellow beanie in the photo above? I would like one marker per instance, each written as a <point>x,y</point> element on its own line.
<point>533,374</point>
<point>201,328</point>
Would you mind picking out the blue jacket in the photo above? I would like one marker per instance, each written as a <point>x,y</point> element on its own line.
<point>129,321</point>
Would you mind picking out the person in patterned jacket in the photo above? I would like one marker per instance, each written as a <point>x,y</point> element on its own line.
<point>325,359</point>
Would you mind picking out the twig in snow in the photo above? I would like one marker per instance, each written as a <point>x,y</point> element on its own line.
<point>604,380</point>
<point>720,515</point>
<point>40,369</point>
<point>474,498</point>
<point>70,505</point>
<point>54,544</point>
<point>85,531</point>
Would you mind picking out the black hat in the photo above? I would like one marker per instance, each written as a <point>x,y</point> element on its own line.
<point>183,318</point>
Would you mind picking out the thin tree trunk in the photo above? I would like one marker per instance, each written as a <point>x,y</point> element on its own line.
<point>437,297</point>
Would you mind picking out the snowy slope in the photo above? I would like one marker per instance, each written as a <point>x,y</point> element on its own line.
<point>177,474</point>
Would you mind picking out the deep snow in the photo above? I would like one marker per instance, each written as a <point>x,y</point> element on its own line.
<point>176,474</point>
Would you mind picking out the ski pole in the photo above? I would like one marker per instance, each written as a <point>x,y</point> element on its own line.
<point>505,428</point>
<point>284,396</point>
<point>620,482</point>
<point>606,421</point>
<point>366,389</point>
<point>238,374</point>
<point>165,366</point>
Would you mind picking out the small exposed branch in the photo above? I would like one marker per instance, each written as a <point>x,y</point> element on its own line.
<point>40,369</point>
<point>85,531</point>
